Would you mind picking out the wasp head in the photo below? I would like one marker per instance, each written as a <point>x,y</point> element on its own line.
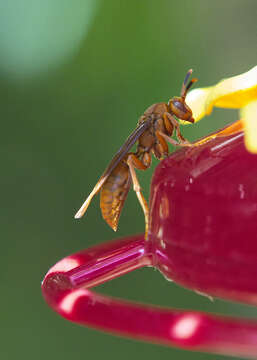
<point>178,106</point>
<point>180,109</point>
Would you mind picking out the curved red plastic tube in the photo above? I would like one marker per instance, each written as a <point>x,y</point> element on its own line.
<point>65,289</point>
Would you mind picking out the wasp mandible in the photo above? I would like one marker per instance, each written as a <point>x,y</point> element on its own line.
<point>155,128</point>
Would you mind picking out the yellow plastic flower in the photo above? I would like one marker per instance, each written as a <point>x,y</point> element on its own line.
<point>238,92</point>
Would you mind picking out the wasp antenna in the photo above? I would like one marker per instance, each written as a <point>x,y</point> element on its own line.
<point>184,87</point>
<point>187,76</point>
<point>190,84</point>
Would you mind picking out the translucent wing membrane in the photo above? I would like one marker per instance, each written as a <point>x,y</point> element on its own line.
<point>131,140</point>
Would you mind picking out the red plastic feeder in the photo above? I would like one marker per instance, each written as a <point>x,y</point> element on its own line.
<point>203,235</point>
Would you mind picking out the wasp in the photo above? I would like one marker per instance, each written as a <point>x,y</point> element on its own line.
<point>153,132</point>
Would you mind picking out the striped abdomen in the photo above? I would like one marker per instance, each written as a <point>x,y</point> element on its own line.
<point>113,194</point>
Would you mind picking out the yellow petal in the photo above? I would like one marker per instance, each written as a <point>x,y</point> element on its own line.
<point>196,100</point>
<point>249,115</point>
<point>233,128</point>
<point>234,92</point>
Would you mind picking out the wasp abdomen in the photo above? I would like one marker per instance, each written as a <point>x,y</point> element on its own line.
<point>113,194</point>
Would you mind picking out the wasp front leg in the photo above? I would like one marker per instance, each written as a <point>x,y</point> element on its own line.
<point>135,163</point>
<point>170,120</point>
<point>170,124</point>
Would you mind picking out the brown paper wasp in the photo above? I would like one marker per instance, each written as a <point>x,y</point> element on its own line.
<point>155,128</point>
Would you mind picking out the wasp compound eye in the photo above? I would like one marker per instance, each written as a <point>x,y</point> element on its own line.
<point>180,109</point>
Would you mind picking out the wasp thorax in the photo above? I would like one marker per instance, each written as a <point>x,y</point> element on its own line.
<point>179,108</point>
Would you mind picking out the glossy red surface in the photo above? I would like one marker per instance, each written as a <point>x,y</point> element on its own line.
<point>202,235</point>
<point>203,218</point>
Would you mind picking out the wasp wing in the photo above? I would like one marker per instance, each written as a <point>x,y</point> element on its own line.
<point>131,140</point>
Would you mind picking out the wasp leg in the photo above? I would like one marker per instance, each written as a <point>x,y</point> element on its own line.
<point>133,162</point>
<point>226,131</point>
<point>182,141</point>
<point>169,127</point>
<point>163,144</point>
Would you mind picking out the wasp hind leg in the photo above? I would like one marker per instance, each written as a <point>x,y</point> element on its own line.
<point>135,163</point>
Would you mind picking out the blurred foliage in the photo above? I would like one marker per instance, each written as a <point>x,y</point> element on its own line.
<point>75,77</point>
<point>37,35</point>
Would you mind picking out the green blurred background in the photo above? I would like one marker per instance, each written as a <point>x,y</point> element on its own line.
<point>74,78</point>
